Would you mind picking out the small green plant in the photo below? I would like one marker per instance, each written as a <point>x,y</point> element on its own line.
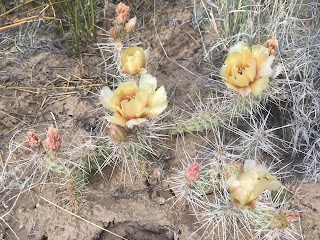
<point>81,20</point>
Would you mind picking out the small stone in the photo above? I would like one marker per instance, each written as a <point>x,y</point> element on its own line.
<point>161,200</point>
<point>156,173</point>
<point>21,210</point>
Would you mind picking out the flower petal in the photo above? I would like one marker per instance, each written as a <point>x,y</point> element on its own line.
<point>135,121</point>
<point>239,47</point>
<point>264,61</point>
<point>157,98</point>
<point>237,79</point>
<point>224,71</point>
<point>147,81</point>
<point>124,91</point>
<point>251,71</point>
<point>236,190</point>
<point>117,119</point>
<point>259,85</point>
<point>253,164</point>
<point>233,183</point>
<point>131,108</point>
<point>229,85</point>
<point>157,110</point>
<point>236,59</point>
<point>142,96</point>
<point>105,98</point>
<point>274,184</point>
<point>244,91</point>
<point>260,187</point>
<point>248,180</point>
<point>240,80</point>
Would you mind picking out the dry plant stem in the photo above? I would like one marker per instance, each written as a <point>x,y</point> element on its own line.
<point>13,9</point>
<point>18,22</point>
<point>83,219</point>
<point>8,212</point>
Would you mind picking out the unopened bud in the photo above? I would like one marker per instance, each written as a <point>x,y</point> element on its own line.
<point>114,33</point>
<point>192,172</point>
<point>123,13</point>
<point>293,216</point>
<point>117,133</point>
<point>32,140</point>
<point>272,45</point>
<point>131,25</point>
<point>53,140</point>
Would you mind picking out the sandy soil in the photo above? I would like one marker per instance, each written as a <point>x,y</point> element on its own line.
<point>135,211</point>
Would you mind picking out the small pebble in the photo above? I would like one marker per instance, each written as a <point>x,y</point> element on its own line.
<point>21,210</point>
<point>161,200</point>
<point>156,173</point>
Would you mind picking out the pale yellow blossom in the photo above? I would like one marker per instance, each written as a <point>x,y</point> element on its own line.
<point>247,69</point>
<point>133,104</point>
<point>133,61</point>
<point>251,183</point>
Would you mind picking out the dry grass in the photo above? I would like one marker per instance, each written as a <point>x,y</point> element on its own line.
<point>294,93</point>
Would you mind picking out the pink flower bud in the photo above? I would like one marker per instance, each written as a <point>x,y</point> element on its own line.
<point>123,13</point>
<point>32,140</point>
<point>292,217</point>
<point>53,140</point>
<point>192,172</point>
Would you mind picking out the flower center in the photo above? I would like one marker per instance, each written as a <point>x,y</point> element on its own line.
<point>128,98</point>
<point>242,68</point>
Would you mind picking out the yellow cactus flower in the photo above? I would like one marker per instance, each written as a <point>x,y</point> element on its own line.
<point>251,183</point>
<point>134,61</point>
<point>247,70</point>
<point>133,104</point>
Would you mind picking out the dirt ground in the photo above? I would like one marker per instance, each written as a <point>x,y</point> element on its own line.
<point>134,211</point>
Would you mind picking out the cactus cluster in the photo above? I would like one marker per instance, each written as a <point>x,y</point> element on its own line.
<point>235,183</point>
